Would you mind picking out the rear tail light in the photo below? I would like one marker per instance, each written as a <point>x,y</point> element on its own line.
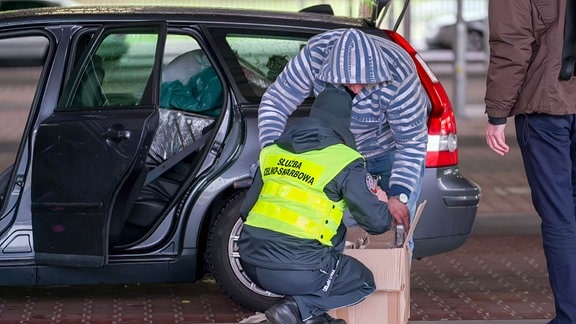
<point>442,140</point>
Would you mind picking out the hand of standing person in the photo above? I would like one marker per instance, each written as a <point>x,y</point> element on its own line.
<point>496,138</point>
<point>400,212</point>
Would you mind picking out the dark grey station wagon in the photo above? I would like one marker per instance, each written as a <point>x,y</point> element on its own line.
<point>141,139</point>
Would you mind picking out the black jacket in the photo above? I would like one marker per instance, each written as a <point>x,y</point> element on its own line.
<point>273,250</point>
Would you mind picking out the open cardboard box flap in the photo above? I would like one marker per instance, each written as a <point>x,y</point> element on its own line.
<point>390,304</point>
<point>377,253</point>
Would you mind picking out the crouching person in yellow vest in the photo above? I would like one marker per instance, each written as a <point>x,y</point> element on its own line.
<point>293,237</point>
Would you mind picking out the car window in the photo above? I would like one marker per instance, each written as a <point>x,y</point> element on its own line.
<point>115,75</point>
<point>23,51</point>
<point>189,80</point>
<point>263,57</point>
<point>191,97</point>
<point>21,65</point>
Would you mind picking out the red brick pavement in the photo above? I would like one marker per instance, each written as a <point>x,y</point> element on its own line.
<point>489,278</point>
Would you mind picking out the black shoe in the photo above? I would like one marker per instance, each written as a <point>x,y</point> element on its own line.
<point>284,312</point>
<point>324,319</point>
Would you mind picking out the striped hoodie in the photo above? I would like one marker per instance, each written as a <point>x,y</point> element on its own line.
<point>389,114</point>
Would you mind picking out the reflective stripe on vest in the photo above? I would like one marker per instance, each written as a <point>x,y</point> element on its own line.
<point>292,200</point>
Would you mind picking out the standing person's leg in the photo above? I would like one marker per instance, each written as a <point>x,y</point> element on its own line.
<point>548,145</point>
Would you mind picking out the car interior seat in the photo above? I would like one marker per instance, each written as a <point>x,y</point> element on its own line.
<point>181,134</point>
<point>124,204</point>
<point>185,112</point>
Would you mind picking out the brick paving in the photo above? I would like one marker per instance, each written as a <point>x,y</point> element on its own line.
<point>492,277</point>
<point>489,278</point>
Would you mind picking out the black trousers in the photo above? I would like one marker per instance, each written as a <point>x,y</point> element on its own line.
<point>344,281</point>
<point>548,146</point>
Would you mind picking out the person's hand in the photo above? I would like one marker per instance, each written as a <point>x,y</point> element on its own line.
<point>496,138</point>
<point>381,194</point>
<point>400,213</point>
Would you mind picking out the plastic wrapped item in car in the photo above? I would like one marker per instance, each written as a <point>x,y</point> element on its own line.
<point>190,83</point>
<point>202,93</point>
<point>185,65</point>
<point>176,130</point>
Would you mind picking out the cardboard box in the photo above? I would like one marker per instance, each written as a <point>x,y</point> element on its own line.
<point>390,304</point>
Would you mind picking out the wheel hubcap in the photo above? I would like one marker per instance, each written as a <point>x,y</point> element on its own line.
<point>234,259</point>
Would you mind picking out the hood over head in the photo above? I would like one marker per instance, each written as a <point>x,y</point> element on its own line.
<point>334,106</point>
<point>354,59</point>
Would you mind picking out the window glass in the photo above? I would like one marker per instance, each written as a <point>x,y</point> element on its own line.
<point>18,83</point>
<point>23,51</point>
<point>115,75</point>
<point>189,80</point>
<point>21,65</point>
<point>262,58</point>
<point>191,97</point>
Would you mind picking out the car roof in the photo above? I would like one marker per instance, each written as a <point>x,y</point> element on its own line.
<point>174,13</point>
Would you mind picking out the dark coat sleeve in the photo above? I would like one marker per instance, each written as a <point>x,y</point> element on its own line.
<point>369,212</point>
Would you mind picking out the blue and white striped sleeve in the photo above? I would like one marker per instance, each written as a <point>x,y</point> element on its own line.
<point>407,115</point>
<point>292,86</point>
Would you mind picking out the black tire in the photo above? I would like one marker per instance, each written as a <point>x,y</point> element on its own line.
<point>224,262</point>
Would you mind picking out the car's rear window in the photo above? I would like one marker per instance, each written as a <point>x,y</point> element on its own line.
<point>263,57</point>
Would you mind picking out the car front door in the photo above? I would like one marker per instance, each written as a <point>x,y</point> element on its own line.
<point>89,154</point>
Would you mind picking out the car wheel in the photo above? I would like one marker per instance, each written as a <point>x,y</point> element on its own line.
<point>475,41</point>
<point>224,260</point>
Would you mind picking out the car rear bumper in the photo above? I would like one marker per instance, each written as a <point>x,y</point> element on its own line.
<point>453,201</point>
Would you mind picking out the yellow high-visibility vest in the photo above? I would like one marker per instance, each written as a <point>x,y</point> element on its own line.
<point>292,200</point>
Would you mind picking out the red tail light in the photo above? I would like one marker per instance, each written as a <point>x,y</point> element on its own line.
<point>442,140</point>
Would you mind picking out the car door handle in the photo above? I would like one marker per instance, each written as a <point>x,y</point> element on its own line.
<point>117,135</point>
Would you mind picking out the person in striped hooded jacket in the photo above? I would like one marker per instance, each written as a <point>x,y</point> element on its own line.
<point>389,111</point>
